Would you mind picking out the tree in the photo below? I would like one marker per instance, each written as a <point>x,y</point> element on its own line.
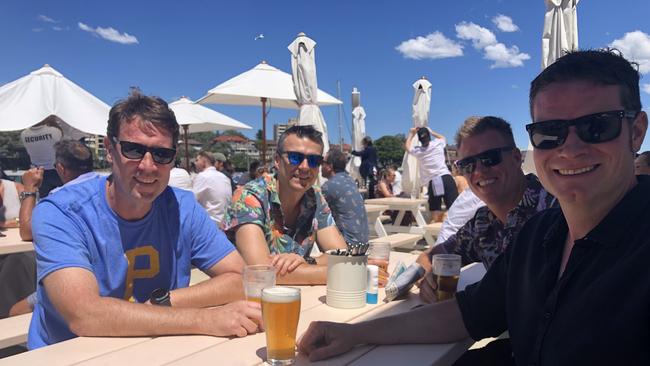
<point>233,133</point>
<point>240,162</point>
<point>12,152</point>
<point>390,150</point>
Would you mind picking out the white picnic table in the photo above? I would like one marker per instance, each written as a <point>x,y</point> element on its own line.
<point>404,205</point>
<point>374,222</point>
<point>12,243</point>
<point>251,350</point>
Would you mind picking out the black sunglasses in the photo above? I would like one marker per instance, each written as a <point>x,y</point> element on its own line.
<point>592,129</point>
<point>135,151</point>
<point>296,158</point>
<point>487,158</point>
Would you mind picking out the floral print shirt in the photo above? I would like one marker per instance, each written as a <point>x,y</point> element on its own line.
<point>484,237</point>
<point>258,203</point>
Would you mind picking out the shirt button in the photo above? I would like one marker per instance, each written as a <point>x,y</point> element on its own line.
<point>547,315</point>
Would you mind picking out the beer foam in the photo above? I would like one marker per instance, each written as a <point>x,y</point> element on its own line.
<point>279,294</point>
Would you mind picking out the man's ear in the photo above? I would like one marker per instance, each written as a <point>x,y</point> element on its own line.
<point>109,149</point>
<point>638,130</point>
<point>516,153</point>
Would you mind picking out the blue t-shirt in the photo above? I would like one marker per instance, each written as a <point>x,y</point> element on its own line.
<point>77,228</point>
<point>347,207</point>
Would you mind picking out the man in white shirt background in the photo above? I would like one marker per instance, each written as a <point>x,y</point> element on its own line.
<point>211,187</point>
<point>179,177</point>
<point>434,173</point>
<point>39,142</point>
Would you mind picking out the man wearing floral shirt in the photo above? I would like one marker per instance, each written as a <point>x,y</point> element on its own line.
<point>277,219</point>
<point>492,165</point>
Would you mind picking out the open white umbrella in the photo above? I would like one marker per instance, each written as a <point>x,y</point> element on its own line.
<point>358,133</point>
<point>29,100</point>
<point>305,85</point>
<point>261,86</point>
<point>197,118</point>
<point>421,105</point>
<point>560,36</point>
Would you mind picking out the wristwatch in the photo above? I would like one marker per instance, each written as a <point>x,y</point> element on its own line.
<point>25,194</point>
<point>160,296</point>
<point>310,260</point>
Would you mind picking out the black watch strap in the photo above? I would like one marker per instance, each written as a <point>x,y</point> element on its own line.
<point>160,296</point>
<point>310,260</point>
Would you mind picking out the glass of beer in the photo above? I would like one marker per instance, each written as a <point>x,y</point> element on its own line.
<point>379,255</point>
<point>281,311</point>
<point>257,277</point>
<point>446,271</point>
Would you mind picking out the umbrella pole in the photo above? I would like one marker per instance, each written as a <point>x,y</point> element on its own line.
<point>263,130</point>
<point>187,150</point>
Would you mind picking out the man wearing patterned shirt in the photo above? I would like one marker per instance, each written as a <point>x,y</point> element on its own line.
<point>344,199</point>
<point>491,163</point>
<point>276,220</point>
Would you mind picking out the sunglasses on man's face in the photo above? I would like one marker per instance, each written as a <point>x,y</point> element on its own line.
<point>135,151</point>
<point>296,158</point>
<point>593,128</point>
<point>487,158</point>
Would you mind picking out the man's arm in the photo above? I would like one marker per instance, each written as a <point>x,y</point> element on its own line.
<point>75,294</point>
<point>225,285</point>
<point>409,139</point>
<point>253,247</point>
<point>436,323</point>
<point>32,180</point>
<point>435,134</point>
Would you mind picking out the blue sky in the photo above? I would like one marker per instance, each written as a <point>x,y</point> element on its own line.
<point>173,48</point>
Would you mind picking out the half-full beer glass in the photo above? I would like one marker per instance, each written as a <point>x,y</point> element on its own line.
<point>446,271</point>
<point>281,311</point>
<point>257,277</point>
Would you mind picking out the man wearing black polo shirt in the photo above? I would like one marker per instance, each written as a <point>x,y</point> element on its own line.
<point>573,288</point>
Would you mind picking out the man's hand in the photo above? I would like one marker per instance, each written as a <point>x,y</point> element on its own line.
<point>413,130</point>
<point>428,288</point>
<point>286,262</point>
<point>239,318</point>
<point>326,339</point>
<point>33,178</point>
<point>424,261</point>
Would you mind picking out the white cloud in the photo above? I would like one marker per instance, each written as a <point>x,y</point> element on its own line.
<point>483,39</point>
<point>646,88</point>
<point>46,19</point>
<point>109,34</point>
<point>58,29</point>
<point>635,46</point>
<point>433,46</point>
<point>504,23</point>
<point>480,37</point>
<point>505,57</point>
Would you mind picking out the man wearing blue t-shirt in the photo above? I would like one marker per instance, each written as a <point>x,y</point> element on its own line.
<point>114,254</point>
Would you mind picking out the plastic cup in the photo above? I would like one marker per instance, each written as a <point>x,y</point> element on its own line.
<point>379,255</point>
<point>256,278</point>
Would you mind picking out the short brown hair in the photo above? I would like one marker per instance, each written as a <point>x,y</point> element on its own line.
<point>476,125</point>
<point>152,110</point>
<point>74,155</point>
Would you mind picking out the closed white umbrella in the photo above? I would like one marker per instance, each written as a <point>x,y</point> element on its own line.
<point>421,105</point>
<point>263,85</point>
<point>358,133</point>
<point>44,92</point>
<point>305,85</point>
<point>560,36</point>
<point>197,118</point>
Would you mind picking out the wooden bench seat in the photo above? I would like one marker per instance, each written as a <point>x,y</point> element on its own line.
<point>434,228</point>
<point>13,330</point>
<point>399,240</point>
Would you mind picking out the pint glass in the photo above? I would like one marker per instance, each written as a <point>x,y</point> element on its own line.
<point>446,271</point>
<point>280,310</point>
<point>257,277</point>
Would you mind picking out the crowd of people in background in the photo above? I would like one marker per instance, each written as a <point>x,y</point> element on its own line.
<point>109,246</point>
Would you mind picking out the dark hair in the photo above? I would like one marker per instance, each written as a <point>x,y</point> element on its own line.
<point>308,132</point>
<point>602,67</point>
<point>337,159</point>
<point>423,135</point>
<point>366,141</point>
<point>253,166</point>
<point>152,111</point>
<point>477,125</point>
<point>74,155</point>
<point>207,155</point>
